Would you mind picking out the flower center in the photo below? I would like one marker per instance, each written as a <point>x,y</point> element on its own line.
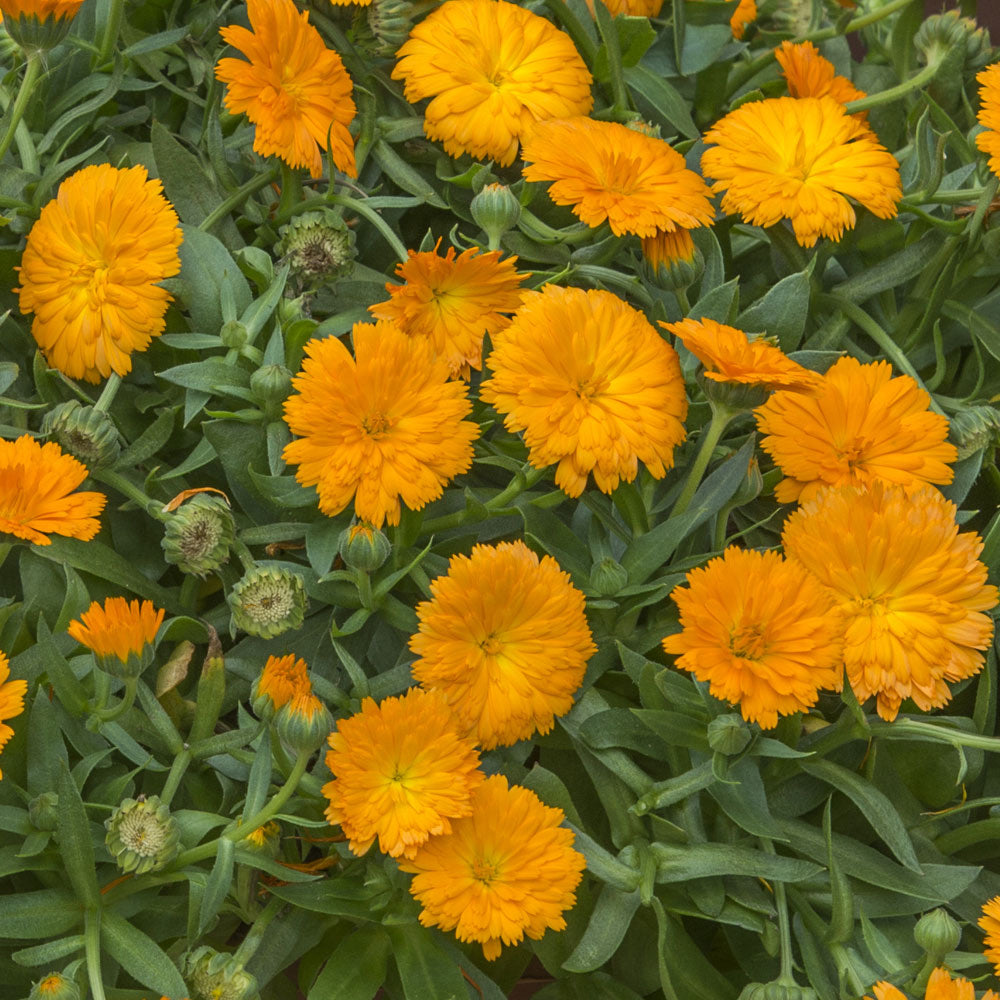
<point>376,425</point>
<point>491,645</point>
<point>748,642</point>
<point>484,871</point>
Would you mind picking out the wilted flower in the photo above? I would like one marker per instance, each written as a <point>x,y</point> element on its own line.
<point>198,535</point>
<point>217,975</point>
<point>317,246</point>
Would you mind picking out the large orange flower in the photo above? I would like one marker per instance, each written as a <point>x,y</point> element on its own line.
<point>90,269</point>
<point>808,74</point>
<point>860,426</point>
<point>911,589</point>
<point>294,89</point>
<point>11,700</point>
<point>492,69</point>
<point>989,922</point>
<point>989,115</point>
<point>593,386</point>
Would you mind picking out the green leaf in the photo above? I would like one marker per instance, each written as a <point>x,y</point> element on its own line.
<point>678,864</point>
<point>356,970</point>
<point>609,923</point>
<point>404,175</point>
<point>259,781</point>
<point>892,271</point>
<point>76,849</point>
<point>211,375</point>
<point>207,268</point>
<point>219,882</point>
<point>685,972</point>
<point>149,442</point>
<point>425,970</point>
<point>140,956</point>
<point>781,312</point>
<point>45,913</point>
<point>49,952</point>
<point>663,99</point>
<point>336,896</point>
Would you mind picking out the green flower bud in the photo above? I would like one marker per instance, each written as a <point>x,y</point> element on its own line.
<point>728,735</point>
<point>777,991</point>
<point>36,34</point>
<point>750,487</point>
<point>54,986</point>
<point>234,334</point>
<point>216,975</point>
<point>199,533</point>
<point>973,428</point>
<point>608,577</point>
<point>43,811</point>
<point>318,247</point>
<point>937,933</point>
<point>303,723</point>
<point>85,432</point>
<point>270,386</point>
<point>265,840</point>
<point>268,601</point>
<point>737,397</point>
<point>388,22</point>
<point>496,209</point>
<point>644,128</point>
<point>671,261</point>
<point>949,32</point>
<point>142,835</point>
<point>364,547</point>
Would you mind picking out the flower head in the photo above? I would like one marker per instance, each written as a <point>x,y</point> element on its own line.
<point>90,269</point>
<point>505,639</point>
<point>401,772</point>
<point>910,588</point>
<point>384,427</point>
<point>294,89</point>
<point>38,25</point>
<point>940,986</point>
<point>593,386</point>
<point>217,975</point>
<point>989,115</point>
<point>800,159</point>
<point>761,631</point>
<point>142,835</point>
<point>40,8</point>
<point>492,69</point>
<point>11,700</point>
<point>282,678</point>
<point>630,8</point>
<point>745,13</point>
<point>607,171</point>
<point>808,74</point>
<point>54,986</point>
<point>268,601</point>
<point>860,426</point>
<point>119,634</point>
<point>989,922</point>
<point>453,302</point>
<point>36,493</point>
<point>507,870</point>
<point>198,535</point>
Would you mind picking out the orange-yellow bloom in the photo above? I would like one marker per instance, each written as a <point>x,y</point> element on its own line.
<point>910,587</point>
<point>383,427</point>
<point>761,631</point>
<point>630,8</point>
<point>940,986</point>
<point>401,772</point>
<point>745,14</point>
<point>800,159</point>
<point>40,9</point>
<point>594,387</point>
<point>282,678</point>
<point>990,924</point>
<point>808,74</point>
<point>729,355</point>
<point>118,629</point>
<point>90,269</point>
<point>453,301</point>
<point>989,115</point>
<point>505,639</point>
<point>11,700</point>
<point>294,89</point>
<point>492,69</point>
<point>36,493</point>
<point>860,426</point>
<point>507,870</point>
<point>607,171</point>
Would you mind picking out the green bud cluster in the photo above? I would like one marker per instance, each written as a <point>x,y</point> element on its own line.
<point>267,602</point>
<point>216,975</point>
<point>142,835</point>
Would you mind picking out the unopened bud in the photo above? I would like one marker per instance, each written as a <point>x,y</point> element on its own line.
<point>267,602</point>
<point>974,428</point>
<point>270,386</point>
<point>54,986</point>
<point>142,835</point>
<point>608,577</point>
<point>303,723</point>
<point>43,811</point>
<point>937,933</point>
<point>318,247</point>
<point>39,34</point>
<point>199,533</point>
<point>728,735</point>
<point>388,23</point>
<point>234,334</point>
<point>671,261</point>
<point>85,432</point>
<point>216,975</point>
<point>496,209</point>
<point>364,547</point>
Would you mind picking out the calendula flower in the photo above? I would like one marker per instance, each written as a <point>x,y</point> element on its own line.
<point>593,386</point>
<point>667,248</point>
<point>989,922</point>
<point>40,8</point>
<point>402,772</point>
<point>800,159</point>
<point>808,74</point>
<point>607,171</point>
<point>282,678</point>
<point>745,14</point>
<point>940,986</point>
<point>383,427</point>
<point>761,631</point>
<point>505,639</point>
<point>294,89</point>
<point>36,493</point>
<point>11,700</point>
<point>506,871</point>
<point>38,25</point>
<point>492,69</point>
<point>90,269</point>
<point>54,986</point>
<point>910,587</point>
<point>729,355</point>
<point>119,633</point>
<point>630,8</point>
<point>989,115</point>
<point>453,302</point>
<point>860,426</point>
<point>303,722</point>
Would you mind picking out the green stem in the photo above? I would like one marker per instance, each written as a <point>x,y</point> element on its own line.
<point>33,69</point>
<point>523,480</point>
<point>112,27</point>
<point>190,586</point>
<point>92,950</point>
<point>953,737</point>
<point>128,698</point>
<point>118,482</point>
<point>786,976</point>
<point>5,550</point>
<point>177,770</point>
<point>353,205</point>
<point>364,584</point>
<point>244,555</point>
<point>249,945</point>
<point>721,416</point>
<point>238,197</point>
<point>962,197</point>
<point>893,93</point>
<point>784,239</point>
<point>108,393</point>
<point>682,300</point>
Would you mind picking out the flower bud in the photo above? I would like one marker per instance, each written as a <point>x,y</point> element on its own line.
<point>85,432</point>
<point>39,34</point>
<point>608,577</point>
<point>644,128</point>
<point>270,386</point>
<point>265,840</point>
<point>737,397</point>
<point>43,811</point>
<point>268,601</point>
<point>364,547</point>
<point>142,835</point>
<point>198,535</point>
<point>728,735</point>
<point>282,678</point>
<point>496,209</point>
<point>388,22</point>
<point>777,991</point>
<point>937,933</point>
<point>303,723</point>
<point>318,247</point>
<point>234,334</point>
<point>54,986</point>
<point>671,261</point>
<point>948,32</point>
<point>973,428</point>
<point>216,975</point>
<point>752,484</point>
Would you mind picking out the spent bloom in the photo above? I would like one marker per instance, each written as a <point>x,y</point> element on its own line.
<point>909,585</point>
<point>505,639</point>
<point>91,268</point>
<point>119,633</point>
<point>492,69</point>
<point>11,700</point>
<point>989,115</point>
<point>809,74</point>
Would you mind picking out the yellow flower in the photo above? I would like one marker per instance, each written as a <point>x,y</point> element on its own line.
<point>800,159</point>
<point>401,772</point>
<point>294,89</point>
<point>666,248</point>
<point>36,493</point>
<point>860,426</point>
<point>729,355</point>
<point>11,700</point>
<point>630,8</point>
<point>911,589</point>
<point>593,386</point>
<point>120,629</point>
<point>90,269</point>
<point>453,302</point>
<point>264,835</point>
<point>940,986</point>
<point>744,14</point>
<point>505,639</point>
<point>492,70</point>
<point>989,115</point>
<point>507,870</point>
<point>761,631</point>
<point>990,924</point>
<point>383,427</point>
<point>808,74</point>
<point>282,678</point>
<point>607,171</point>
<point>40,9</point>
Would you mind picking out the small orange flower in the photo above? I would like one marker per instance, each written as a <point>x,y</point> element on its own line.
<point>745,14</point>
<point>809,74</point>
<point>282,678</point>
<point>11,700</point>
<point>119,630</point>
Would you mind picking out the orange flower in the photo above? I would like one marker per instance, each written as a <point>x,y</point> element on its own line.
<point>507,870</point>
<point>860,426</point>
<point>989,115</point>
<point>990,924</point>
<point>11,700</point>
<point>294,89</point>
<point>40,9</point>
<point>505,639</point>
<point>630,8</point>
<point>281,680</point>
<point>744,14</point>
<point>453,302</point>
<point>940,986</point>
<point>492,69</point>
<point>809,74</point>
<point>119,634</point>
<point>36,493</point>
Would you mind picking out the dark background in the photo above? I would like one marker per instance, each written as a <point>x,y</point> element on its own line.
<point>988,13</point>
